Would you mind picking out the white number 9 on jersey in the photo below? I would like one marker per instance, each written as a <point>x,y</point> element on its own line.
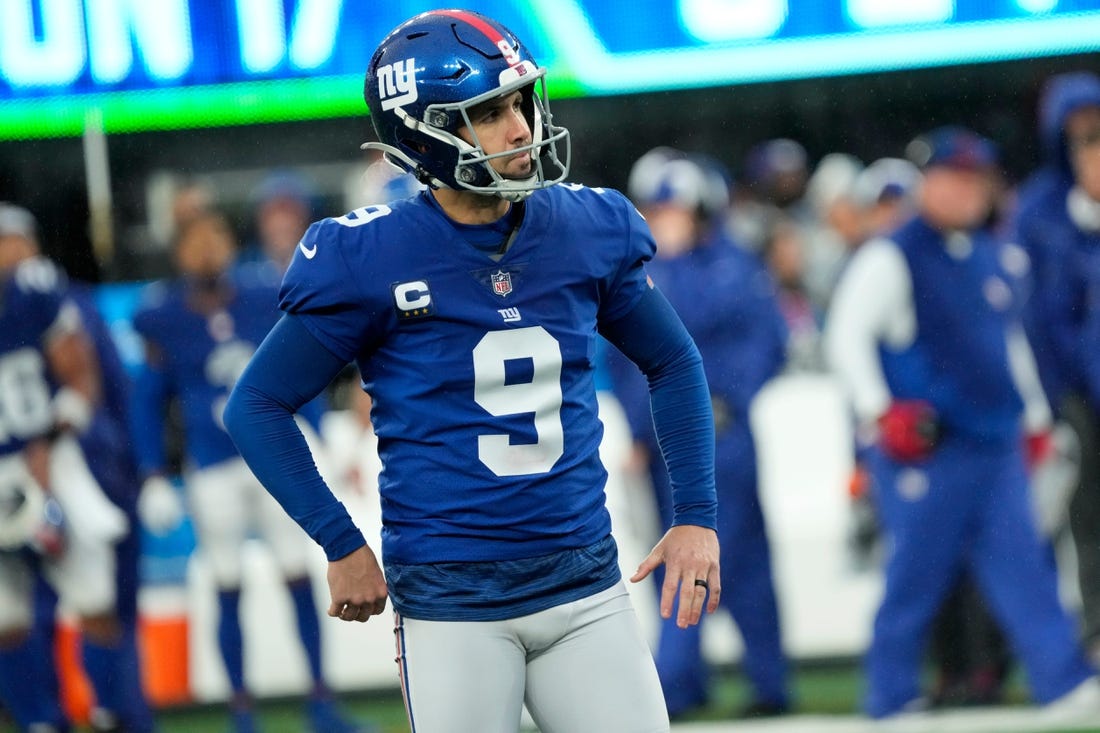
<point>542,396</point>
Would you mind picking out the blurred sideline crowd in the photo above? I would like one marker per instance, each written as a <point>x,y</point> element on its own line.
<point>960,311</point>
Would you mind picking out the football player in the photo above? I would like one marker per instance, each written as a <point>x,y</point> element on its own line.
<point>199,331</point>
<point>54,515</point>
<point>472,311</point>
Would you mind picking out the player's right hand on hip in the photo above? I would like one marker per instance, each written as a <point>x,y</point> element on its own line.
<point>908,430</point>
<point>160,506</point>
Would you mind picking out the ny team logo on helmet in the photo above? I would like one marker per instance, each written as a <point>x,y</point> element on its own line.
<point>397,84</point>
<point>421,84</point>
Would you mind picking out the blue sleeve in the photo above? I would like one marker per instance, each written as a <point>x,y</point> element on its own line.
<point>116,381</point>
<point>620,292</point>
<point>653,337</point>
<point>632,391</point>
<point>325,288</point>
<point>290,368</point>
<point>147,408</point>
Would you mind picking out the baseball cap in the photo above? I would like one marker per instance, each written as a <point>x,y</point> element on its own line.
<point>284,184</point>
<point>16,221</point>
<point>952,146</point>
<point>833,179</point>
<point>770,159</point>
<point>886,179</point>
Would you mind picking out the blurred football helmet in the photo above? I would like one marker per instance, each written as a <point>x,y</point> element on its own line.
<point>665,175</point>
<point>422,82</point>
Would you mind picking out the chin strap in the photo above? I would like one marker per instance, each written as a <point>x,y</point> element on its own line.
<point>507,189</point>
<point>516,195</point>
<point>404,161</point>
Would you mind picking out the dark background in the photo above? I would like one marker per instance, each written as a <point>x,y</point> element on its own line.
<point>868,115</point>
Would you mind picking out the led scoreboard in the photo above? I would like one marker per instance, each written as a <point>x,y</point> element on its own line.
<point>163,64</point>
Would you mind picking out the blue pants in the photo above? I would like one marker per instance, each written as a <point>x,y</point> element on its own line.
<point>966,508</point>
<point>748,593</point>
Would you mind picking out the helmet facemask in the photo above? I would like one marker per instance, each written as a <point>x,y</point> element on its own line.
<point>466,165</point>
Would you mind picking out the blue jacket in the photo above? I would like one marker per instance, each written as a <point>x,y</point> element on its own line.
<point>964,307</point>
<point>1065,260</point>
<point>726,299</point>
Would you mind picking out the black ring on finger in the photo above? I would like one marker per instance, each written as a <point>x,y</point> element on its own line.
<point>699,582</point>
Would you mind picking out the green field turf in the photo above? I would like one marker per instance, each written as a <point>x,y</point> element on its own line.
<point>826,690</point>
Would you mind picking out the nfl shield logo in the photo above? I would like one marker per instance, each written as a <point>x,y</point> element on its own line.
<point>502,282</point>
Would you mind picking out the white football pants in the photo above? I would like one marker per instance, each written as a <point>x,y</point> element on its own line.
<point>84,574</point>
<point>582,667</point>
<point>229,505</point>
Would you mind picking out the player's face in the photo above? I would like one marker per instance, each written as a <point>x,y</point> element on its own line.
<point>958,198</point>
<point>500,125</point>
<point>674,228</point>
<point>1083,138</point>
<point>785,255</point>
<point>847,219</point>
<point>206,249</point>
<point>282,222</point>
<point>14,248</point>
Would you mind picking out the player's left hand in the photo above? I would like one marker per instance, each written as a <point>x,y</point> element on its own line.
<point>690,556</point>
<point>357,586</point>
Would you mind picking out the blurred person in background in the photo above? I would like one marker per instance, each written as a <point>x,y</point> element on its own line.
<point>184,198</point>
<point>56,517</point>
<point>883,197</point>
<point>192,199</point>
<point>784,255</point>
<point>835,223</point>
<point>728,303</point>
<point>775,173</point>
<point>967,650</point>
<point>378,181</point>
<point>283,205</point>
<point>778,171</point>
<point>885,193</point>
<point>108,450</point>
<point>353,445</point>
<point>924,334</point>
<point>199,331</point>
<point>1058,223</point>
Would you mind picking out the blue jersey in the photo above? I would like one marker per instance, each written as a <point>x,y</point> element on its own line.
<point>106,443</point>
<point>959,361</point>
<point>32,305</point>
<point>202,354</point>
<point>481,370</point>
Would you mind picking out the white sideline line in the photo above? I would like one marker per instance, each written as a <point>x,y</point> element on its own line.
<point>986,720</point>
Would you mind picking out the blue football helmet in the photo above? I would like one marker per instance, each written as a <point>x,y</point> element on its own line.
<point>422,82</point>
